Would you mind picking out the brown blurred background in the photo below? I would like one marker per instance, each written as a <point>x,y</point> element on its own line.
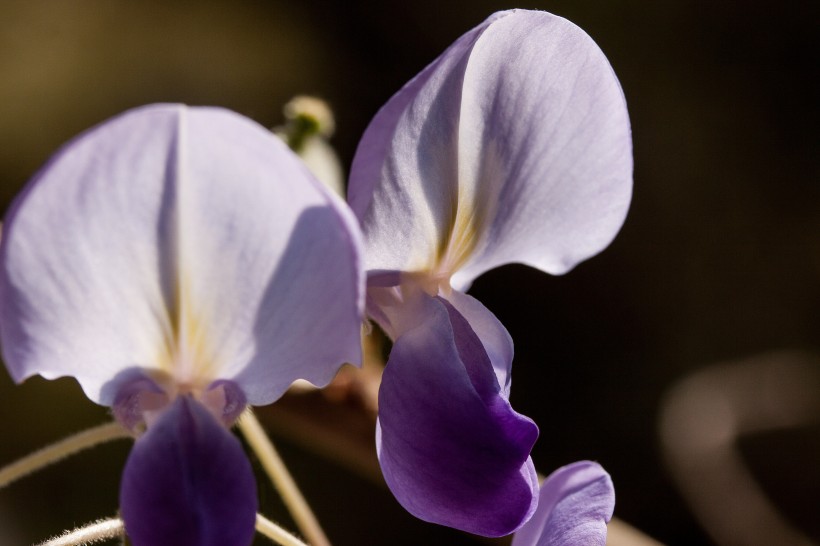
<point>719,258</point>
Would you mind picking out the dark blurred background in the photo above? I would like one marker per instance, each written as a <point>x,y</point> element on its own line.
<point>719,258</point>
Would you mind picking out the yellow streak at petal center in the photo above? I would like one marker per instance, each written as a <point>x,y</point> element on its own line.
<point>461,237</point>
<point>186,354</point>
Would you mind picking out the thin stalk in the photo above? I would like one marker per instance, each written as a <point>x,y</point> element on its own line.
<point>99,531</point>
<point>282,480</point>
<point>60,450</point>
<point>274,532</point>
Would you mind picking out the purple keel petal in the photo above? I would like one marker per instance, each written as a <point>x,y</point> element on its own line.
<point>187,482</point>
<point>452,449</point>
<point>576,503</point>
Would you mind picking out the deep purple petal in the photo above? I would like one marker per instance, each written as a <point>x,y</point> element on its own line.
<point>452,449</point>
<point>575,505</point>
<point>187,482</point>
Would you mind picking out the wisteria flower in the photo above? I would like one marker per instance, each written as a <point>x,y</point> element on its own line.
<point>180,263</point>
<point>513,146</point>
<point>575,504</point>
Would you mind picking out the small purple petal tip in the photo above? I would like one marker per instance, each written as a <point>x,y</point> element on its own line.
<point>575,505</point>
<point>135,399</point>
<point>187,482</point>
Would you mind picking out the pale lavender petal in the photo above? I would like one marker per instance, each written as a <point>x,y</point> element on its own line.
<point>545,135</point>
<point>514,146</point>
<point>494,337</point>
<point>452,449</point>
<point>274,257</point>
<point>404,169</point>
<point>187,482</point>
<point>575,504</point>
<point>187,242</point>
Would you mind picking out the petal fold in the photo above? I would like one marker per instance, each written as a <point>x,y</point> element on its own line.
<point>493,335</point>
<point>513,146</point>
<point>452,450</point>
<point>575,504</point>
<point>188,241</point>
<point>399,184</point>
<point>187,482</point>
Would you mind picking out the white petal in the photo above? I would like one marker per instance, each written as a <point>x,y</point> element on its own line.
<point>404,171</point>
<point>186,241</point>
<point>513,146</point>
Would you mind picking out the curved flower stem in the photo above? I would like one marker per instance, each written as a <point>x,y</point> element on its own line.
<point>282,480</point>
<point>60,450</point>
<point>106,529</point>
<point>100,530</point>
<point>274,532</point>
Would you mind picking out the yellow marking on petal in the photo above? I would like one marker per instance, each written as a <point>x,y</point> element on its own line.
<point>194,348</point>
<point>186,353</point>
<point>461,236</point>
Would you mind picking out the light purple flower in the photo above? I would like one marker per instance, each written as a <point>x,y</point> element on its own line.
<point>180,263</point>
<point>513,146</point>
<point>575,504</point>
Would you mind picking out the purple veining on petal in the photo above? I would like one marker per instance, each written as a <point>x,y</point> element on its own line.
<point>187,482</point>
<point>575,504</point>
<point>452,449</point>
